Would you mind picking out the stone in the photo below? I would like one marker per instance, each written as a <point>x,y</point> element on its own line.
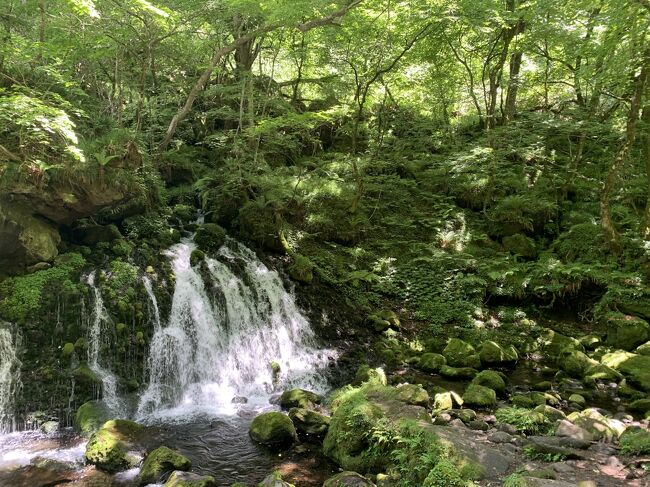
<point>551,445</point>
<point>460,354</point>
<point>575,363</point>
<point>447,400</point>
<point>478,425</point>
<point>367,374</point>
<point>465,415</point>
<point>500,437</point>
<point>543,386</point>
<point>67,350</point>
<point>274,480</point>
<point>636,368</point>
<point>491,353</point>
<point>299,398</point>
<point>643,349</point>
<point>431,362</point>
<point>348,479</point>
<point>309,422</point>
<point>209,237</point>
<point>458,372</point>
<point>383,320</point>
<point>491,379</point>
<point>550,412</point>
<point>111,448</point>
<point>160,461</point>
<point>479,396</point>
<point>553,343</point>
<point>590,342</point>
<point>187,479</point>
<point>577,399</point>
<point>412,394</point>
<point>626,332</point>
<point>90,416</point>
<point>597,424</point>
<point>274,430</point>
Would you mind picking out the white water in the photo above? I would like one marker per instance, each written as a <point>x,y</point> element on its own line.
<point>99,321</point>
<point>222,337</point>
<point>153,302</point>
<point>9,378</point>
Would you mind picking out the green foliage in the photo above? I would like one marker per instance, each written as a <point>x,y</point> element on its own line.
<point>23,297</point>
<point>525,421</point>
<point>533,454</point>
<point>635,441</point>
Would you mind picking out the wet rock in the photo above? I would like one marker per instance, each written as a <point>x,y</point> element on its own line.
<point>551,445</point>
<point>458,372</point>
<point>210,237</point>
<point>187,479</point>
<point>478,425</point>
<point>491,353</point>
<point>90,417</point>
<point>383,320</point>
<point>160,461</point>
<point>626,332</point>
<point>569,430</point>
<point>239,400</point>
<point>274,480</point>
<point>274,430</point>
<point>50,427</point>
<point>412,394</point>
<point>636,368</point>
<point>366,373</point>
<point>465,415</point>
<point>479,396</point>
<point>553,343</point>
<point>299,398</point>
<point>447,400</point>
<point>348,479</point>
<point>114,446</point>
<point>309,422</point>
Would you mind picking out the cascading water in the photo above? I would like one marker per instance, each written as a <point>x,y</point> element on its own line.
<point>99,320</point>
<point>9,377</point>
<point>153,301</point>
<point>240,335</point>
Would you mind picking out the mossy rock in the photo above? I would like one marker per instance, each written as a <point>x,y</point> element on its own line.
<point>67,350</point>
<point>553,414</point>
<point>431,362</point>
<point>479,396</point>
<point>348,479</point>
<point>412,394</point>
<point>309,422</point>
<point>460,354</point>
<point>491,353</point>
<point>553,343</point>
<point>299,398</point>
<point>159,462</point>
<point>365,373</point>
<point>447,400</point>
<point>528,400</point>
<point>274,430</point>
<point>90,417</point>
<point>458,373</point>
<point>187,479</point>
<point>635,441</point>
<point>641,406</point>
<point>445,474</point>
<point>210,237</point>
<point>185,213</point>
<point>301,269</point>
<point>600,426</point>
<point>636,368</point>
<point>109,448</point>
<point>85,376</point>
<point>490,378</point>
<point>643,349</point>
<point>575,363</point>
<point>196,257</point>
<point>626,332</point>
<point>274,480</point>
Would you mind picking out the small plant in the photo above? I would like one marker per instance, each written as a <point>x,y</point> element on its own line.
<point>533,454</point>
<point>635,442</point>
<point>525,421</point>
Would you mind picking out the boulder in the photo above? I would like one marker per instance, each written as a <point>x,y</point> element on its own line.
<point>636,368</point>
<point>643,349</point>
<point>626,332</point>
<point>446,400</point>
<point>309,422</point>
<point>491,353</point>
<point>113,447</point>
<point>461,354</point>
<point>412,394</point>
<point>159,462</point>
<point>299,398</point>
<point>301,269</point>
<point>90,417</point>
<point>574,362</point>
<point>569,430</point>
<point>553,343</point>
<point>92,234</point>
<point>274,430</point>
<point>348,479</point>
<point>551,446</point>
<point>383,320</point>
<point>187,479</point>
<point>458,372</point>
<point>210,237</point>
<point>274,480</point>
<point>366,373</point>
<point>432,362</point>
<point>479,396</point>
<point>490,378</point>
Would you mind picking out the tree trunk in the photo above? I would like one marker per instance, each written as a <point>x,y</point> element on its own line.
<point>645,226</point>
<point>612,236</point>
<point>513,86</point>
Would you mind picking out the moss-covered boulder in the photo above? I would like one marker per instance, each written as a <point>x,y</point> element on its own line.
<point>626,332</point>
<point>301,269</point>
<point>490,378</point>
<point>274,480</point>
<point>636,368</point>
<point>309,422</point>
<point>210,237</point>
<point>458,373</point>
<point>446,400</point>
<point>365,373</point>
<point>479,396</point>
<point>383,320</point>
<point>196,257</point>
<point>187,479</point>
<point>431,362</point>
<point>643,349</point>
<point>93,234</point>
<point>67,350</point>
<point>491,353</point>
<point>412,394</point>
<point>161,461</point>
<point>635,441</point>
<point>348,479</point>
<point>461,354</point>
<point>552,343</point>
<point>274,430</point>
<point>85,376</point>
<point>90,417</point>
<point>574,362</point>
<point>299,398</point>
<point>112,447</point>
<point>597,424</point>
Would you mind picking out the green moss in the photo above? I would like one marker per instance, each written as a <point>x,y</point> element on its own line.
<point>160,461</point>
<point>524,420</point>
<point>196,257</point>
<point>273,429</point>
<point>299,398</point>
<point>67,350</point>
<point>90,417</point>
<point>108,448</point>
<point>491,353</point>
<point>635,441</point>
<point>185,479</point>
<point>479,396</point>
<point>25,296</point>
<point>209,237</point>
<point>490,378</point>
<point>431,362</point>
<point>301,269</point>
<point>444,474</point>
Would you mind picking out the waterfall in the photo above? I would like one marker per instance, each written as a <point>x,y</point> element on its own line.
<point>10,383</point>
<point>99,322</point>
<point>153,301</point>
<point>228,335</point>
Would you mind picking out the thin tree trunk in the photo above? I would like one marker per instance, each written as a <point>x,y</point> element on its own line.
<point>645,117</point>
<point>513,86</point>
<point>612,236</point>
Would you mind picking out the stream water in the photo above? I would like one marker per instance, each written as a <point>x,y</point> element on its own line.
<point>234,338</point>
